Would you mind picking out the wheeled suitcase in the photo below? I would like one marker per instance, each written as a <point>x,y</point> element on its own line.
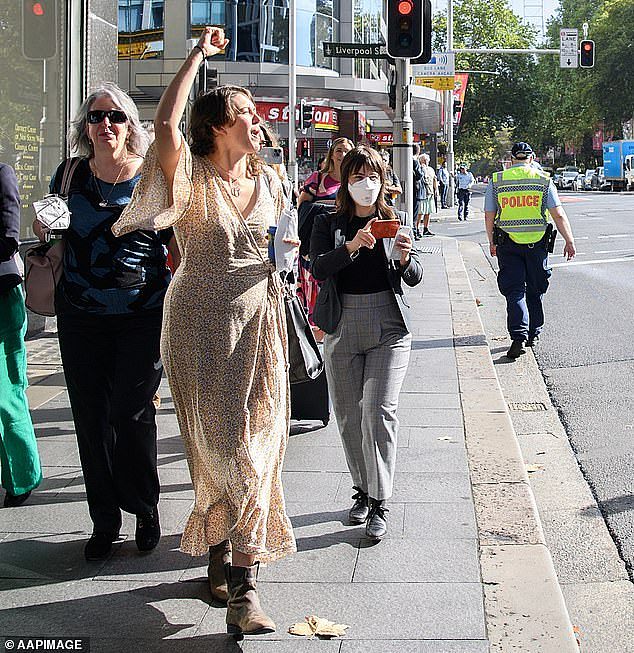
<point>310,400</point>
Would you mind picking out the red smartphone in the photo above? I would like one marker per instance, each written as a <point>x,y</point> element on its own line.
<point>385,228</point>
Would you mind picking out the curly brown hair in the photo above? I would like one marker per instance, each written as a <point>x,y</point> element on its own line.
<point>355,160</point>
<point>211,110</point>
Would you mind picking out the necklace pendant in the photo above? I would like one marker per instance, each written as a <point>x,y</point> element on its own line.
<point>235,190</point>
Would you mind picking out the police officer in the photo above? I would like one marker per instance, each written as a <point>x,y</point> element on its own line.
<point>521,236</point>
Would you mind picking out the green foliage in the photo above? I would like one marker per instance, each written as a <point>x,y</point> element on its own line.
<point>496,103</point>
<point>572,103</point>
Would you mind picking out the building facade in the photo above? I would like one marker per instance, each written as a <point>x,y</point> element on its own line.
<point>349,97</point>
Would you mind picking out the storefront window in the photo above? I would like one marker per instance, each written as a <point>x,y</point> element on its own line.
<point>32,101</point>
<point>140,29</point>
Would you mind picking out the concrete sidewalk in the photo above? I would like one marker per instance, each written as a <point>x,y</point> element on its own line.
<point>464,568</point>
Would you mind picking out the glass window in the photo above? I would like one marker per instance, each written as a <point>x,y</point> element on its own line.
<point>208,12</point>
<point>140,29</point>
<point>32,122</point>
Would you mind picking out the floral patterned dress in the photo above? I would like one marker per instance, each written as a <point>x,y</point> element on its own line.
<point>224,349</point>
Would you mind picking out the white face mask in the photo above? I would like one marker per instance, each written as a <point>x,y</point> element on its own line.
<point>365,191</point>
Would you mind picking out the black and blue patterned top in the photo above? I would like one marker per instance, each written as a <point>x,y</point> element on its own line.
<point>103,274</point>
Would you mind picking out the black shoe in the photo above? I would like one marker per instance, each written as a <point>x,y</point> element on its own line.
<point>532,340</point>
<point>15,500</point>
<point>148,531</point>
<point>417,235</point>
<point>376,528</point>
<point>516,349</point>
<point>99,546</point>
<point>359,511</point>
<point>426,232</point>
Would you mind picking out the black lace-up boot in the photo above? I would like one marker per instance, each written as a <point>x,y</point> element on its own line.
<point>359,511</point>
<point>376,528</point>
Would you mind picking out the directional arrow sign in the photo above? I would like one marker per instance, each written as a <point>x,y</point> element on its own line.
<point>568,48</point>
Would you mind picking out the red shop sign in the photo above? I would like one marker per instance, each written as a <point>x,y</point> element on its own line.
<point>385,138</point>
<point>323,117</point>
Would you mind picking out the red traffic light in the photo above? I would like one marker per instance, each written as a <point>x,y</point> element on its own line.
<point>37,9</point>
<point>405,7</point>
<point>586,53</point>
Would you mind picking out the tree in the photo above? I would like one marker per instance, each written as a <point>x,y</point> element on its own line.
<point>494,103</point>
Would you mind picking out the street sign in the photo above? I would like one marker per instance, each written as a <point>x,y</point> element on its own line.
<point>568,48</point>
<point>437,83</point>
<point>441,64</point>
<point>355,50</point>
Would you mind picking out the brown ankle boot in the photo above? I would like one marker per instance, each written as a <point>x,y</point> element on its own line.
<point>244,612</point>
<point>219,556</point>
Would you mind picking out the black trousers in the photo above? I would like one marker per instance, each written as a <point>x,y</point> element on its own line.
<point>113,368</point>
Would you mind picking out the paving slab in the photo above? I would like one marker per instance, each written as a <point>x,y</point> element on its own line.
<point>440,521</point>
<point>419,560</point>
<point>414,610</point>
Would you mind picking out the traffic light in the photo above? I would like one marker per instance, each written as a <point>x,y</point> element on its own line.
<point>39,29</point>
<point>305,115</point>
<point>586,58</point>
<point>408,32</point>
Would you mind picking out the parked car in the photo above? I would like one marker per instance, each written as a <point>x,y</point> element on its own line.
<point>568,179</point>
<point>557,176</point>
<point>598,180</point>
<point>587,179</point>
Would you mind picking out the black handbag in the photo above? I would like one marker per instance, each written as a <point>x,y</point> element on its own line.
<point>305,360</point>
<point>327,311</point>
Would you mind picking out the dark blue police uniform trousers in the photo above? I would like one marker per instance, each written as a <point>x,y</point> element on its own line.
<point>523,280</point>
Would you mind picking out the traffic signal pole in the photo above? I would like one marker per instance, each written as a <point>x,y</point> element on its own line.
<point>292,93</point>
<point>402,139</point>
<point>448,106</point>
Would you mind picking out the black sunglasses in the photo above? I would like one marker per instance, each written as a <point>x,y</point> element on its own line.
<point>114,116</point>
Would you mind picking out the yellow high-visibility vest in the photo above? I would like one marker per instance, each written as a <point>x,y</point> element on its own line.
<point>520,193</point>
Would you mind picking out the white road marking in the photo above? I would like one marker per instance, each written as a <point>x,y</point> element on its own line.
<point>593,262</point>
<point>612,251</point>
<point>617,236</point>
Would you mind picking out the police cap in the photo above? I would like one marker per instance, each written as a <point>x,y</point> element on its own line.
<point>521,150</point>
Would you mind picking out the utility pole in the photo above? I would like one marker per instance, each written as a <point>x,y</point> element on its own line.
<point>448,105</point>
<point>402,138</point>
<point>292,93</point>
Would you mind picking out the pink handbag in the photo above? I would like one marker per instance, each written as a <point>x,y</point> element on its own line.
<point>43,263</point>
<point>43,266</point>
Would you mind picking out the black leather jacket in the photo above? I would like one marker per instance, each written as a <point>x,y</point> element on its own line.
<point>328,255</point>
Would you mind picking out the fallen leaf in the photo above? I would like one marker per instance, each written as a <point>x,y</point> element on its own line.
<point>318,627</point>
<point>534,468</point>
<point>301,628</point>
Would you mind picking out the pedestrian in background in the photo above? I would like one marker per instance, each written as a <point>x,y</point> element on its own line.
<point>443,184</point>
<point>392,182</point>
<point>109,304</point>
<point>464,183</point>
<point>430,184</point>
<point>19,459</point>
<point>520,235</point>
<point>321,189</point>
<point>418,185</point>
<point>224,332</point>
<point>367,355</point>
<point>271,139</point>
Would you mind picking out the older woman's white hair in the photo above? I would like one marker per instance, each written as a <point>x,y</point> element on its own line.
<point>138,139</point>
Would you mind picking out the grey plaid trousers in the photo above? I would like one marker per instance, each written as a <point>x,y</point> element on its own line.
<point>366,361</point>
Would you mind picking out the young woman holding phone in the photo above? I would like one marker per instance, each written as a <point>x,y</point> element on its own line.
<point>367,354</point>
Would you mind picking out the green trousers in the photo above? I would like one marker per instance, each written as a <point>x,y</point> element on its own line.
<point>19,459</point>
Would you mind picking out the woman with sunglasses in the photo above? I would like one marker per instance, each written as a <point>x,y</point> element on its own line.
<point>224,331</point>
<point>368,353</point>
<point>109,306</point>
